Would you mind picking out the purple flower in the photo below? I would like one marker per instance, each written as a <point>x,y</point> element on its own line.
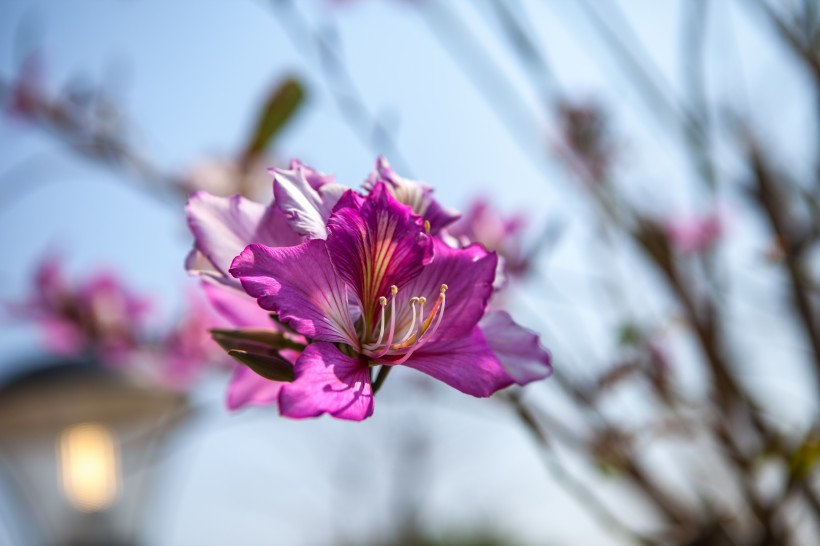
<point>379,289</point>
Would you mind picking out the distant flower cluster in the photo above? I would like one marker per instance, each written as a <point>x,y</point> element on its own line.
<point>101,318</point>
<point>325,284</point>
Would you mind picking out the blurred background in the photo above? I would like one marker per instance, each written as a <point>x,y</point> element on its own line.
<point>649,170</point>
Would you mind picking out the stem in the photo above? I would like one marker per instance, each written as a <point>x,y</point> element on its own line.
<point>383,371</point>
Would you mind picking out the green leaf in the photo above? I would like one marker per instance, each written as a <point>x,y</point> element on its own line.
<point>629,334</point>
<point>805,458</point>
<point>270,366</point>
<point>282,103</point>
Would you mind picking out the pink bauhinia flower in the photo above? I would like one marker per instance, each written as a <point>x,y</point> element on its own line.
<point>351,282</point>
<point>373,287</point>
<point>696,233</point>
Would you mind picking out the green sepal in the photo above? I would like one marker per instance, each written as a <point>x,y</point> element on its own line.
<point>242,339</point>
<point>270,366</point>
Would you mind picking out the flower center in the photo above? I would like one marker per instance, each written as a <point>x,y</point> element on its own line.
<point>418,333</point>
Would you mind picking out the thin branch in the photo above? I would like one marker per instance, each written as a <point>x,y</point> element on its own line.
<point>350,102</point>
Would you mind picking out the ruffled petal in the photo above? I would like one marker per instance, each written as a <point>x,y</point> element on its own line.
<point>306,208</point>
<point>375,243</point>
<point>416,195</point>
<point>328,381</point>
<point>468,274</point>
<point>516,347</point>
<point>249,389</point>
<point>300,285</point>
<point>467,364</point>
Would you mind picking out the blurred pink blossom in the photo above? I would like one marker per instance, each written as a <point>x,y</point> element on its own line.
<point>24,97</point>
<point>485,225</point>
<point>696,233</point>
<point>98,315</point>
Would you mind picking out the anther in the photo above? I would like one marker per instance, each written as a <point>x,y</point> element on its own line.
<point>444,288</point>
<point>382,301</point>
<point>427,226</point>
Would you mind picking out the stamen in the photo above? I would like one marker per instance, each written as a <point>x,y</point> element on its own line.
<point>425,333</point>
<point>383,303</point>
<point>413,302</point>
<point>393,290</point>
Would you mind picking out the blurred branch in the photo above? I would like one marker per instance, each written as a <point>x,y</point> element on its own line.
<point>574,486</point>
<point>92,136</point>
<point>471,57</point>
<point>770,196</point>
<point>546,83</point>
<point>350,102</point>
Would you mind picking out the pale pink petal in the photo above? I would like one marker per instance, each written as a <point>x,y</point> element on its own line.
<point>237,308</point>
<point>249,389</point>
<point>305,208</point>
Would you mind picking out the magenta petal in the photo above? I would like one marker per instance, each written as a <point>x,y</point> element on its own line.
<point>468,274</point>
<point>249,389</point>
<point>467,364</point>
<point>299,284</point>
<point>516,347</point>
<point>375,243</point>
<point>328,381</point>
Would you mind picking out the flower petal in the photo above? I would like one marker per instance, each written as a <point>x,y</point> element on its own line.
<point>249,389</point>
<point>313,177</point>
<point>468,274</point>
<point>516,347</point>
<point>301,286</point>
<point>328,381</point>
<point>305,207</point>
<point>416,195</point>
<point>467,364</point>
<point>237,308</point>
<point>375,243</point>
<point>223,226</point>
